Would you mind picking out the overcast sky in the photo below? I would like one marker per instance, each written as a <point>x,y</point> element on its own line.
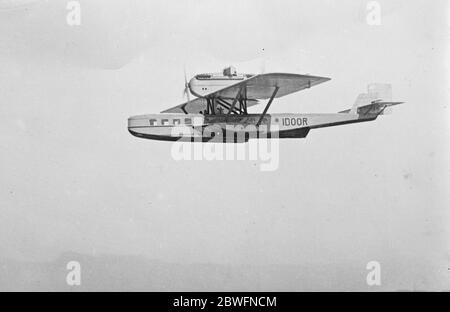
<point>73,178</point>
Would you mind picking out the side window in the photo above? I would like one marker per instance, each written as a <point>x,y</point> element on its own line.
<point>165,122</point>
<point>153,122</point>
<point>187,121</point>
<point>176,122</point>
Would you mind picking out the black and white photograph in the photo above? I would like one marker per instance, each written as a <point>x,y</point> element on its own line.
<point>225,147</point>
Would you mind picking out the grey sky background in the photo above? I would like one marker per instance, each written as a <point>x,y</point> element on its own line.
<point>73,179</point>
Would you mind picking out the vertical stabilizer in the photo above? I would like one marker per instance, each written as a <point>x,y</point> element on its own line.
<point>377,100</point>
<point>375,92</point>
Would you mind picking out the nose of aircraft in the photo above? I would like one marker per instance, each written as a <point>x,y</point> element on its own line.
<point>191,83</point>
<point>195,88</point>
<point>138,121</point>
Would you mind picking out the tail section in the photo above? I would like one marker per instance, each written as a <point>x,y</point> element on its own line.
<point>376,101</point>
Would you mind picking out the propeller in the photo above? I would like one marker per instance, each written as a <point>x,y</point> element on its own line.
<point>186,91</point>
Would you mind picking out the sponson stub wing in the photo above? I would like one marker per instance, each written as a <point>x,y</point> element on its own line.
<point>258,87</point>
<point>196,106</point>
<point>192,107</point>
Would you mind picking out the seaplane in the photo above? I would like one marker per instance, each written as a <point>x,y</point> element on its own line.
<point>219,111</point>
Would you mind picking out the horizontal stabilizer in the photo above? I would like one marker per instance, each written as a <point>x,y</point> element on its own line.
<point>376,101</point>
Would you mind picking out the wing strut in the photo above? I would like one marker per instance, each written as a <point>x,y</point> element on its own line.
<point>227,105</point>
<point>267,106</point>
<point>235,100</point>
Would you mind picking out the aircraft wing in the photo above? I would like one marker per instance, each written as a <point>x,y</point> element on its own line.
<point>252,89</point>
<point>262,86</point>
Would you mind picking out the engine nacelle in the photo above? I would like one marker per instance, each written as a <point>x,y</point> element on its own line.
<point>204,84</point>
